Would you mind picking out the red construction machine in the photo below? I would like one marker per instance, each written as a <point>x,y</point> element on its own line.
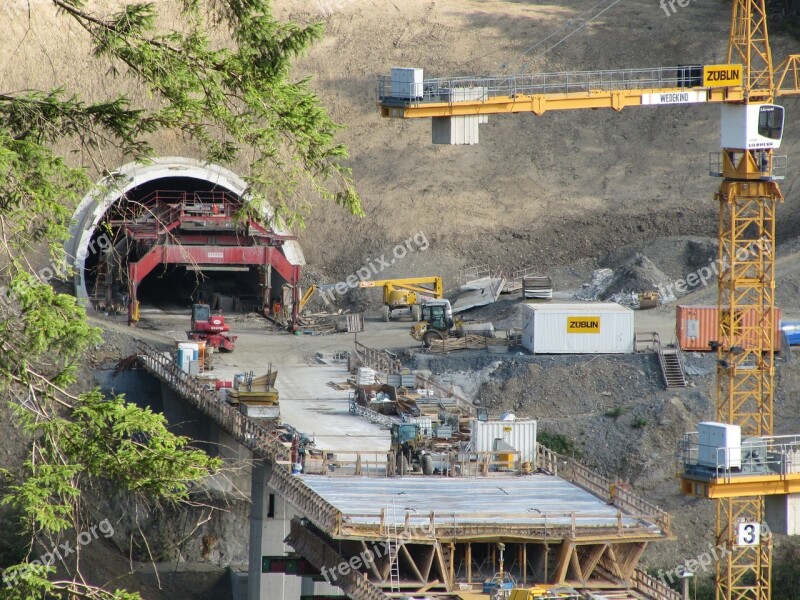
<point>211,328</point>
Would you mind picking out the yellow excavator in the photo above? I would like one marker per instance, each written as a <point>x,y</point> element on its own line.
<point>408,293</point>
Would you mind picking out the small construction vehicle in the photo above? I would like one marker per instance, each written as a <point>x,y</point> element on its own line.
<point>537,592</point>
<point>211,328</point>
<point>648,300</point>
<point>436,322</point>
<point>407,293</point>
<point>411,450</point>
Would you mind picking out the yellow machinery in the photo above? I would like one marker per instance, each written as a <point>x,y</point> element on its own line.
<point>751,130</point>
<point>407,293</point>
<point>307,296</point>
<point>543,593</point>
<point>436,322</point>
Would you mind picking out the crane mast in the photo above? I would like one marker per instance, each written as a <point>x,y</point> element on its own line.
<point>748,197</point>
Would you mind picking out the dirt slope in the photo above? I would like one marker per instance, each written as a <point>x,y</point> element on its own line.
<point>536,191</point>
<point>541,191</point>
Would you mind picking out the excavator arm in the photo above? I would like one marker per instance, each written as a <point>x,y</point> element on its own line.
<point>307,296</point>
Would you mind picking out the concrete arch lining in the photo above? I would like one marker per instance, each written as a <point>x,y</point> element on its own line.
<point>94,205</point>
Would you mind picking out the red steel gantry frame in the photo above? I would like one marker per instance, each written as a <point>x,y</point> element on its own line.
<point>201,229</point>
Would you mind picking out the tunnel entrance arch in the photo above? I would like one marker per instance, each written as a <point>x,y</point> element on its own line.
<point>169,228</point>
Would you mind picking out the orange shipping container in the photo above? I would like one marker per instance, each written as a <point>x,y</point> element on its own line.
<point>697,326</point>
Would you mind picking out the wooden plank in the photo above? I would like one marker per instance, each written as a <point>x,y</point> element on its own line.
<point>562,564</point>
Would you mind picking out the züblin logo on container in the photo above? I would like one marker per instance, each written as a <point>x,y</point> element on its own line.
<point>583,324</point>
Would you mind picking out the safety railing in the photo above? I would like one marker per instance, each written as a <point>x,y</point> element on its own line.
<point>610,491</point>
<point>546,460</point>
<point>322,555</point>
<point>478,272</point>
<point>774,167</point>
<point>774,455</point>
<point>311,504</point>
<point>412,525</point>
<point>348,463</point>
<point>391,91</point>
<point>380,360</point>
<point>244,430</point>
<point>653,588</point>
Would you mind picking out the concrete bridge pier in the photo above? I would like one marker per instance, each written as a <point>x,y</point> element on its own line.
<point>270,524</point>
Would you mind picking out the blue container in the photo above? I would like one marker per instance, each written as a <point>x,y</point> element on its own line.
<point>791,329</point>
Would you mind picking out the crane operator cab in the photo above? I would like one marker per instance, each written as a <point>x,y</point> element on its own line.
<point>751,126</point>
<point>749,134</point>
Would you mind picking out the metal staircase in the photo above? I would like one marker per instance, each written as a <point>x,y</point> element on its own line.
<point>670,358</point>
<point>671,366</point>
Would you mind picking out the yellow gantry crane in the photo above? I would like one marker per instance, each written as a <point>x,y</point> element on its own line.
<point>736,460</point>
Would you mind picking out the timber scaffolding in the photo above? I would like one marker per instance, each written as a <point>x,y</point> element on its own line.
<point>446,547</point>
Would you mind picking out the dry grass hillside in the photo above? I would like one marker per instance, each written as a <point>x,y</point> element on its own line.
<point>536,191</point>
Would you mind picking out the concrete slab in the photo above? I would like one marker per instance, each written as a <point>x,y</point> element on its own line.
<point>309,404</point>
<point>531,500</point>
<point>478,293</point>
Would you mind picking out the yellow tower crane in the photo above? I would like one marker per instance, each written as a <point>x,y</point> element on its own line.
<point>739,476</point>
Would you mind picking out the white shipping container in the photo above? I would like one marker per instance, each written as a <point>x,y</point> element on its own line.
<point>520,435</point>
<point>578,328</point>
<point>720,445</point>
<point>187,352</point>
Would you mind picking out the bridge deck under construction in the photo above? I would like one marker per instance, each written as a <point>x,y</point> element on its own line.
<point>565,525</point>
<point>529,506</point>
